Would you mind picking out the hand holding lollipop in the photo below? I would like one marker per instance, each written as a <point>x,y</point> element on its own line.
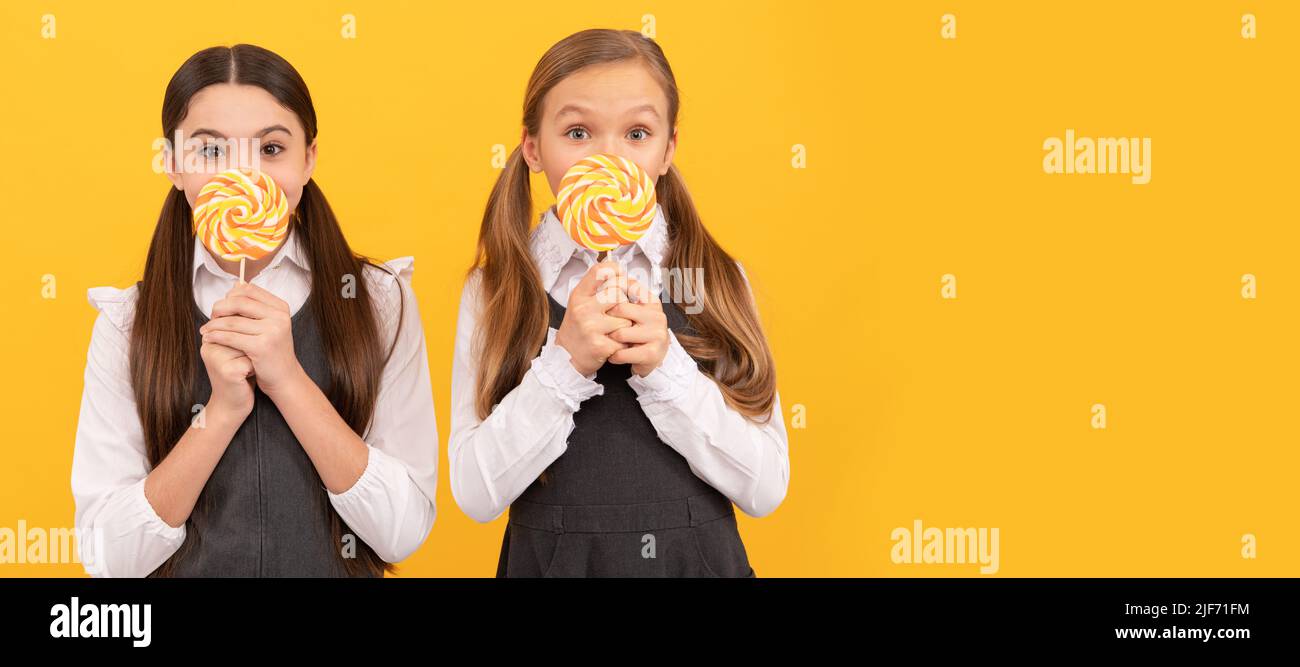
<point>241,214</point>
<point>606,201</point>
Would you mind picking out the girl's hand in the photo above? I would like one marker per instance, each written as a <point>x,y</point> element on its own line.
<point>256,322</point>
<point>646,342</point>
<point>231,374</point>
<point>584,333</point>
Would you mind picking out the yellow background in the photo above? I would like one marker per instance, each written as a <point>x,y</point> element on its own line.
<point>923,159</point>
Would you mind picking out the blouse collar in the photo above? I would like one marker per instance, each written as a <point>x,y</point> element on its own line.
<point>290,250</point>
<point>552,247</point>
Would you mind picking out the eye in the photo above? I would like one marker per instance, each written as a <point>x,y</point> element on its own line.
<point>211,151</point>
<point>577,133</point>
<point>272,149</point>
<point>639,134</point>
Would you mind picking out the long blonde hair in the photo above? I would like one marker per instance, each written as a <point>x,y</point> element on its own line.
<point>730,346</point>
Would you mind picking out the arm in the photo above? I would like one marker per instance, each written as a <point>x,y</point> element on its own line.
<point>392,506</point>
<point>496,459</point>
<point>383,489</point>
<point>119,533</point>
<point>748,461</point>
<point>175,483</point>
<point>745,459</point>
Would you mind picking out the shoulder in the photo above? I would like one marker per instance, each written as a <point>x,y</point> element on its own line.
<point>384,275</point>
<point>116,306</point>
<point>389,284</point>
<point>111,336</point>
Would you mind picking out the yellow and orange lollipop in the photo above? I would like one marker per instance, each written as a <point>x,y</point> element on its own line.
<point>241,214</point>
<point>606,201</point>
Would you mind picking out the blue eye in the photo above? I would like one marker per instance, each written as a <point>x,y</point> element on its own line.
<point>639,134</point>
<point>211,151</point>
<point>579,131</point>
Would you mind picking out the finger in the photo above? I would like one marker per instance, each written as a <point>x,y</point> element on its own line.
<point>615,283</point>
<point>626,310</point>
<point>616,277</point>
<point>610,274</point>
<point>260,295</point>
<point>245,306</point>
<point>633,354</point>
<point>608,347</point>
<point>234,323</point>
<point>610,270</point>
<point>639,292</point>
<point>634,335</point>
<point>610,296</point>
<point>242,342</point>
<point>641,313</point>
<point>219,352</point>
<point>590,281</point>
<point>241,367</point>
<point>607,324</point>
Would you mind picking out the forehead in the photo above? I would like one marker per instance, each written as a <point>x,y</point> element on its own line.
<point>608,89</point>
<point>238,111</point>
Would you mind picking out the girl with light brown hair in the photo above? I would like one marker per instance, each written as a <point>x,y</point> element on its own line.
<point>616,424</point>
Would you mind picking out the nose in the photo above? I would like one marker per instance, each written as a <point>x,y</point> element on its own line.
<point>608,146</point>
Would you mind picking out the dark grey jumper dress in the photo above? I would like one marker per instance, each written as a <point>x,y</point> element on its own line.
<point>619,502</point>
<point>265,511</point>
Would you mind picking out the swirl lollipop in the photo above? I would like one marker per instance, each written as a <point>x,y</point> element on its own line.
<point>606,201</point>
<point>241,214</point>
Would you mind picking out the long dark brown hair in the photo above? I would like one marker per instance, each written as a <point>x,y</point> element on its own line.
<point>163,351</point>
<point>730,346</point>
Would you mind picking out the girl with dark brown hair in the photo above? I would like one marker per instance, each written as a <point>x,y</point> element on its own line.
<point>616,417</point>
<point>279,427</point>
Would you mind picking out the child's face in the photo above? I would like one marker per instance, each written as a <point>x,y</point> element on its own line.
<point>241,126</point>
<point>617,108</point>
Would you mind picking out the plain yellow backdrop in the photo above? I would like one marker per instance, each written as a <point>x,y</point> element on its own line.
<point>924,158</point>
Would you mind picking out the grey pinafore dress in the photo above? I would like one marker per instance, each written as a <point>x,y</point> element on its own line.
<point>266,512</point>
<point>619,502</point>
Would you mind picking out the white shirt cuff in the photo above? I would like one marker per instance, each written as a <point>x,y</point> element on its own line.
<point>365,486</point>
<point>144,514</point>
<point>554,369</point>
<point>671,379</point>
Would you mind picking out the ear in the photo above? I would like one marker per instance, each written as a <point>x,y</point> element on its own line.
<point>169,162</point>
<point>310,167</point>
<point>669,153</point>
<point>531,149</point>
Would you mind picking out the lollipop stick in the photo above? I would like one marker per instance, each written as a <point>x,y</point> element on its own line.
<point>241,269</point>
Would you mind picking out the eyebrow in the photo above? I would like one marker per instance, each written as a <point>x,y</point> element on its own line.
<point>646,107</point>
<point>577,109</point>
<point>570,108</point>
<point>265,131</point>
